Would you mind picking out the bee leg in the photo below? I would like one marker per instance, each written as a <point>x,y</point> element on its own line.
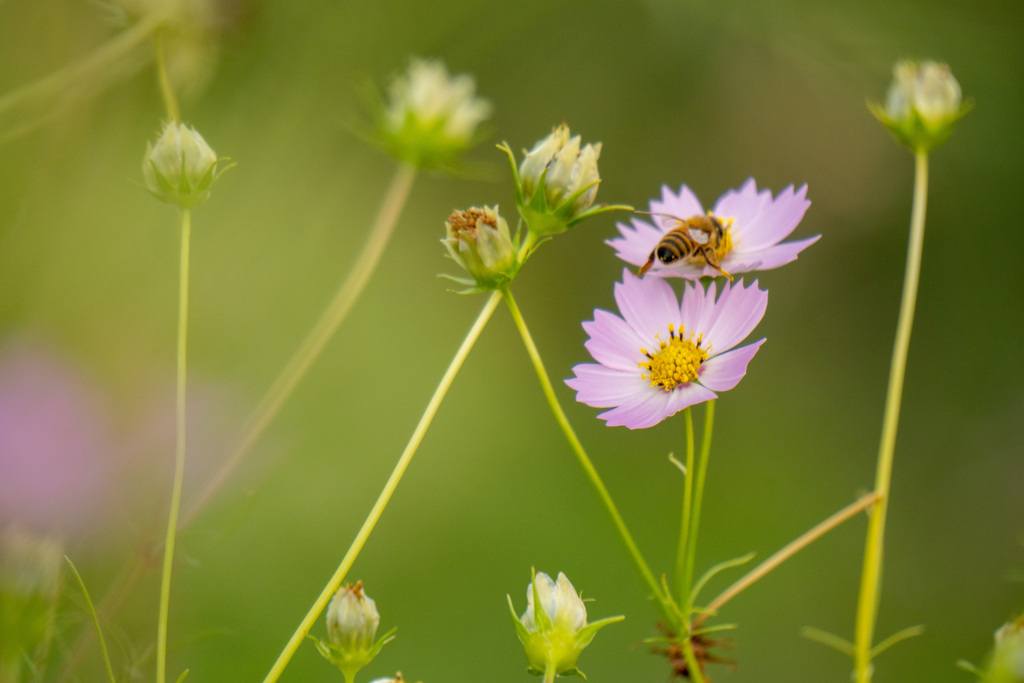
<point>709,257</point>
<point>647,266</point>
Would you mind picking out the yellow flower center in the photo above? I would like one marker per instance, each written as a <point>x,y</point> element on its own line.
<point>676,361</point>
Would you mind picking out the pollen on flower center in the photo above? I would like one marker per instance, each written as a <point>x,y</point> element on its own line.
<point>676,361</point>
<point>465,222</point>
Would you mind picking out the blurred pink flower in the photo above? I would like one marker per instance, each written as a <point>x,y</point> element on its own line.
<point>663,355</point>
<point>56,443</point>
<point>756,224</point>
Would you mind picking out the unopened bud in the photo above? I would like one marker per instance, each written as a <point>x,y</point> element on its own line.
<point>923,103</point>
<point>554,629</point>
<point>180,168</point>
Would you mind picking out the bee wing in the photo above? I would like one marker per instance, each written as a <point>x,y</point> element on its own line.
<point>699,235</point>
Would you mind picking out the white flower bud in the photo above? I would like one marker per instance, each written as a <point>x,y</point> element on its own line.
<point>180,167</point>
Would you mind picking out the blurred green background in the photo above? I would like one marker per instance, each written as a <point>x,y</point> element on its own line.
<point>702,93</point>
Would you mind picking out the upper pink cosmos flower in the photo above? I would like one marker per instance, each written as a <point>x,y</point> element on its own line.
<point>755,225</point>
<point>663,355</point>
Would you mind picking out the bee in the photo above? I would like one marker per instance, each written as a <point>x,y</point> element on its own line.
<point>696,236</point>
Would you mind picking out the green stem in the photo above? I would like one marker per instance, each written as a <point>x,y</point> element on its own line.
<point>588,468</point>
<point>166,90</point>
<point>684,528</point>
<point>385,495</point>
<point>692,665</point>
<point>698,498</point>
<point>309,350</point>
<point>867,606</point>
<point>549,673</point>
<point>103,57</point>
<point>179,459</point>
<point>783,554</point>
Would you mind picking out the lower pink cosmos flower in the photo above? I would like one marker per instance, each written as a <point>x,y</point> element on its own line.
<point>663,355</point>
<point>754,226</point>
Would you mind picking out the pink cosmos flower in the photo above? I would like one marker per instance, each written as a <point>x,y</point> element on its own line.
<point>663,355</point>
<point>755,226</point>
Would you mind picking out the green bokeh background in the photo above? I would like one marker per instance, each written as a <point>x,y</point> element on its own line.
<point>702,93</point>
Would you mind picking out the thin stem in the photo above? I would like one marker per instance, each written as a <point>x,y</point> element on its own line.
<point>549,673</point>
<point>102,57</point>
<point>166,90</point>
<point>588,468</point>
<point>95,620</point>
<point>684,527</point>
<point>698,497</point>
<point>692,665</point>
<point>871,579</point>
<point>332,317</point>
<point>179,459</point>
<point>783,554</point>
<point>385,495</point>
<point>309,350</point>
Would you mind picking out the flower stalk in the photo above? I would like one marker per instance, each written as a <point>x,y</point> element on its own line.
<point>179,458</point>
<point>385,495</point>
<point>603,495</point>
<point>867,606</point>
<point>330,320</point>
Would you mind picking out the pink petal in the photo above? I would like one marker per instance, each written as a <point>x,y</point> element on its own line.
<point>613,342</point>
<point>601,387</point>
<point>780,254</point>
<point>737,313</point>
<point>647,304</point>
<point>644,411</point>
<point>682,205</point>
<point>774,223</point>
<point>745,204</point>
<point>724,372</point>
<point>637,242</point>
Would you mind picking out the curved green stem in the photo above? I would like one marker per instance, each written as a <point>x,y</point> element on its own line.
<point>179,459</point>
<point>385,495</point>
<point>867,606</point>
<point>166,90</point>
<point>309,350</point>
<point>682,589</point>
<point>588,468</point>
<point>698,498</point>
<point>60,81</point>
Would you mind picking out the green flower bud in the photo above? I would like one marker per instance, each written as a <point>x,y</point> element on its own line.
<point>554,628</point>
<point>923,103</point>
<point>180,168</point>
<point>479,241</point>
<point>1006,664</point>
<point>30,570</point>
<point>352,621</point>
<point>431,117</point>
<point>556,184</point>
